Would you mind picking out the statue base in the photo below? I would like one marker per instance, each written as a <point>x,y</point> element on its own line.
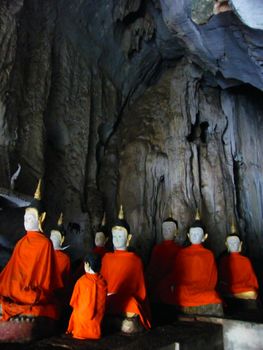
<point>208,310</point>
<point>24,329</point>
<point>127,325</point>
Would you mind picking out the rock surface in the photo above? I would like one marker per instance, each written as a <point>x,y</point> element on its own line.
<point>132,103</point>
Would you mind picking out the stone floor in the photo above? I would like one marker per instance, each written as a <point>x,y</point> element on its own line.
<point>170,333</point>
<point>178,335</point>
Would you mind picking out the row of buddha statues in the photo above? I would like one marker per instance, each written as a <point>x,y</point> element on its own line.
<point>112,287</point>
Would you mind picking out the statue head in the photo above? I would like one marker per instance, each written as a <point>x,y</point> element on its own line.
<point>57,234</point>
<point>92,263</point>
<point>233,242</point>
<point>57,239</point>
<point>121,232</point>
<point>196,233</point>
<point>34,213</point>
<point>101,235</point>
<point>169,229</point>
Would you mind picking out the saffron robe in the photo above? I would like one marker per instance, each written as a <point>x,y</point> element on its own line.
<point>64,266</point>
<point>236,275</point>
<point>100,251</point>
<point>161,264</point>
<point>88,302</point>
<point>123,272</point>
<point>30,278</point>
<point>193,279</point>
<point>64,269</point>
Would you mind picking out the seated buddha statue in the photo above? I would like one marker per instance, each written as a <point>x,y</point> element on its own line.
<point>29,281</point>
<point>57,237</point>
<point>123,271</point>
<point>237,279</point>
<point>101,238</point>
<point>192,282</point>
<point>162,258</point>
<point>88,301</point>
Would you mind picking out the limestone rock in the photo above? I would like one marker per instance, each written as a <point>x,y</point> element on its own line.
<point>133,102</point>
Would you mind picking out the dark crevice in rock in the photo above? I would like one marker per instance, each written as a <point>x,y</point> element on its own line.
<point>204,131</point>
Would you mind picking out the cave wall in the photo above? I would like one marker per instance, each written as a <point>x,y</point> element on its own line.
<point>186,144</point>
<point>132,103</point>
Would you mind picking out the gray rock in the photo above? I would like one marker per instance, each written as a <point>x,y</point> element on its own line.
<point>132,102</point>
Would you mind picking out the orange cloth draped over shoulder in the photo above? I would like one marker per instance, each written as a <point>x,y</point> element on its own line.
<point>100,251</point>
<point>28,281</point>
<point>64,266</point>
<point>236,274</point>
<point>193,279</point>
<point>88,301</point>
<point>123,272</point>
<point>161,264</point>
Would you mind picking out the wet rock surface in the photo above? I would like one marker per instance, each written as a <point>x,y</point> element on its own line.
<point>131,102</point>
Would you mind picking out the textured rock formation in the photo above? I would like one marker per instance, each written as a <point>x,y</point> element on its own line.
<point>131,102</point>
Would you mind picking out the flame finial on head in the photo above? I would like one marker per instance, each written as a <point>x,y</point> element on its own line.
<point>37,194</point>
<point>121,213</point>
<point>60,219</point>
<point>233,228</point>
<point>197,215</point>
<point>103,222</point>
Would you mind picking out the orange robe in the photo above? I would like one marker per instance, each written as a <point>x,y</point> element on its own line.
<point>123,272</point>
<point>88,301</point>
<point>100,251</point>
<point>64,266</point>
<point>161,264</point>
<point>28,281</point>
<point>194,278</point>
<point>236,274</point>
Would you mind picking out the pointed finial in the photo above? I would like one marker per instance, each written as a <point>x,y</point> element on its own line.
<point>197,215</point>
<point>37,194</point>
<point>103,222</point>
<point>121,213</point>
<point>60,219</point>
<point>233,228</point>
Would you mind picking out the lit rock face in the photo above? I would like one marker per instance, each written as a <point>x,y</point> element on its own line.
<point>226,47</point>
<point>186,144</point>
<point>249,12</point>
<point>133,103</point>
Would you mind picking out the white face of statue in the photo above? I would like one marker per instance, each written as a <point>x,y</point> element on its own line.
<point>196,235</point>
<point>169,230</point>
<point>100,239</point>
<point>56,239</point>
<point>31,220</point>
<point>233,244</point>
<point>119,238</point>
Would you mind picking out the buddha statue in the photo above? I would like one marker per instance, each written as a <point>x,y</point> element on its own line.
<point>88,301</point>
<point>123,271</point>
<point>57,237</point>
<point>101,238</point>
<point>29,281</point>
<point>192,282</point>
<point>162,257</point>
<point>237,279</point>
